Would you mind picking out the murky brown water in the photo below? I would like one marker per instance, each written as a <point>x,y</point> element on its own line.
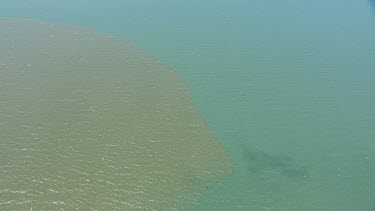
<point>88,121</point>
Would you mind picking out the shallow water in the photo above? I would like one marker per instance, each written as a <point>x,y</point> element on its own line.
<point>287,87</point>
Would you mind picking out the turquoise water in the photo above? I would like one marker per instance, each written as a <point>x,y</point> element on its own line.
<point>287,87</point>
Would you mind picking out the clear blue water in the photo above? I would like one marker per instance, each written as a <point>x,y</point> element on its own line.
<point>286,86</point>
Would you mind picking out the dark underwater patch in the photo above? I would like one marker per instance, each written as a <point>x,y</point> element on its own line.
<point>258,161</point>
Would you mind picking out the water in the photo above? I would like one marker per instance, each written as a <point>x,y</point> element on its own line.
<point>286,87</point>
<point>91,122</point>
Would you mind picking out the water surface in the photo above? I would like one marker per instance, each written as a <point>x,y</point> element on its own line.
<point>286,86</point>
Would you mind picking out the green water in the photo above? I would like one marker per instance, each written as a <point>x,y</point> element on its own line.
<point>286,86</point>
